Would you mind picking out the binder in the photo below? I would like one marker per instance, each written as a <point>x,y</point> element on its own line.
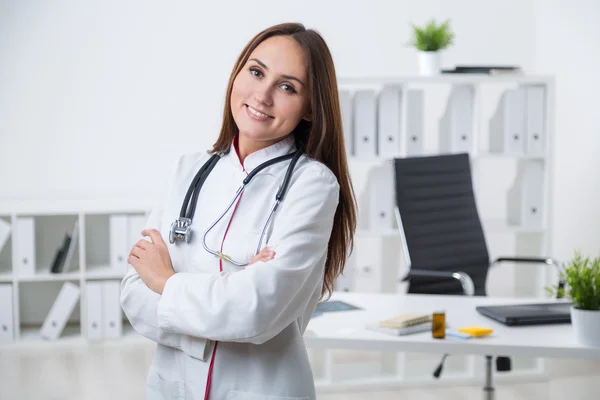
<point>119,249</point>
<point>6,314</point>
<point>94,323</point>
<point>135,226</point>
<point>535,100</point>
<point>346,111</point>
<point>381,198</point>
<point>365,123</point>
<point>71,249</point>
<point>414,122</point>
<point>25,246</point>
<point>389,121</point>
<point>456,126</point>
<point>4,233</point>
<point>112,316</point>
<point>61,310</point>
<point>507,126</point>
<point>525,197</point>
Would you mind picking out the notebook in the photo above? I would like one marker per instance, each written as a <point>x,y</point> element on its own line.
<point>405,320</point>
<point>403,324</point>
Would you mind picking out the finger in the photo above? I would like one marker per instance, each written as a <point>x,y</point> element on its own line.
<point>143,244</point>
<point>137,252</point>
<point>154,235</point>
<point>133,260</point>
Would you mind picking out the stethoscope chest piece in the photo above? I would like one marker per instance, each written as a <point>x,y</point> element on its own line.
<point>181,230</point>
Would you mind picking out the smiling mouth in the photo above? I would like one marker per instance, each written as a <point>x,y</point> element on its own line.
<point>257,113</point>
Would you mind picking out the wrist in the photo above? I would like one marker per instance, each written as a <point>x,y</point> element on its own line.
<point>163,283</point>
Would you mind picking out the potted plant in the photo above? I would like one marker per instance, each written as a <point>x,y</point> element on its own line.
<point>581,284</point>
<point>429,41</point>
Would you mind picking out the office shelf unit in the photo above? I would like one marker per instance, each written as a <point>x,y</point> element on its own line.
<point>505,123</point>
<point>383,118</point>
<point>37,232</point>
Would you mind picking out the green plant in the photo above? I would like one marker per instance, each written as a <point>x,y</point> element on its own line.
<point>581,282</point>
<point>432,37</point>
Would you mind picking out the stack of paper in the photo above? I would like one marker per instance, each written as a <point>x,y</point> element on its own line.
<point>403,324</point>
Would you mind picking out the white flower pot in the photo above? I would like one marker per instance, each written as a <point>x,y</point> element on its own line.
<point>586,325</point>
<point>430,62</point>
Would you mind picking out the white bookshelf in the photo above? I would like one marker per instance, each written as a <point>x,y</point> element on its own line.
<point>377,262</point>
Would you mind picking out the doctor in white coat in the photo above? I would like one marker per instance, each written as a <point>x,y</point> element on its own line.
<point>225,331</point>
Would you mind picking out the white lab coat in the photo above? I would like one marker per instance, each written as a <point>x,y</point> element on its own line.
<point>257,314</point>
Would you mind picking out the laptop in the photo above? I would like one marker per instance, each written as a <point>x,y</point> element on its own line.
<point>529,314</point>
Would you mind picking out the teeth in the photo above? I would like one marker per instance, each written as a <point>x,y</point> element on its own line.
<point>257,113</point>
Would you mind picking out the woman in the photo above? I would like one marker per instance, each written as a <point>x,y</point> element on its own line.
<point>235,332</point>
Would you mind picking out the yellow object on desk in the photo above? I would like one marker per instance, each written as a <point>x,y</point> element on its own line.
<point>476,331</point>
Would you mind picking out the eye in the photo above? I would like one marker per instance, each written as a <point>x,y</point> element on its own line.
<point>256,72</point>
<point>288,88</point>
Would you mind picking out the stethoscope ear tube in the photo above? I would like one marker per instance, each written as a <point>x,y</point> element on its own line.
<point>287,179</point>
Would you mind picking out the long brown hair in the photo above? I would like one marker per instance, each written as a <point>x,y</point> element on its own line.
<point>322,137</point>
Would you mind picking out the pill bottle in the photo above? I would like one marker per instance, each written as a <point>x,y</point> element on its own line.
<point>438,326</point>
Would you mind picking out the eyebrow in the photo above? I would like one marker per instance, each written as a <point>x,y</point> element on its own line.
<point>283,76</point>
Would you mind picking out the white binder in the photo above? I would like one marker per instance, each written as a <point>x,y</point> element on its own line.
<point>525,198</point>
<point>112,316</point>
<point>414,122</point>
<point>346,111</point>
<point>535,98</point>
<point>389,121</point>
<point>94,323</point>
<point>6,314</point>
<point>119,239</point>
<point>61,310</point>
<point>456,126</point>
<point>365,123</point>
<point>25,246</point>
<point>4,233</point>
<point>507,126</point>
<point>135,225</point>
<point>381,198</point>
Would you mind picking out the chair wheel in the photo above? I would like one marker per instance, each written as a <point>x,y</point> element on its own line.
<point>503,364</point>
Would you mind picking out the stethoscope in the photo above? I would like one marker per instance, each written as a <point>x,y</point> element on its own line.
<point>181,228</point>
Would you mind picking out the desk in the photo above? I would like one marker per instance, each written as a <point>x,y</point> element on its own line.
<point>345,329</point>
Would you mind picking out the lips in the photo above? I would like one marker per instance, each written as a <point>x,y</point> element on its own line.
<point>257,114</point>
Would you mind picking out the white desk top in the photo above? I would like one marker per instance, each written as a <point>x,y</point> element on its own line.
<point>345,329</point>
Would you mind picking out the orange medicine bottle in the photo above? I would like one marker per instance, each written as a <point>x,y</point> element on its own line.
<point>438,326</point>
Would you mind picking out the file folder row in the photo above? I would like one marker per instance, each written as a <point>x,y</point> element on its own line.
<point>104,315</point>
<point>124,231</point>
<point>374,121</point>
<point>518,127</point>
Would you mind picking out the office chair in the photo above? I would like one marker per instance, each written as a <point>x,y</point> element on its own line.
<point>442,236</point>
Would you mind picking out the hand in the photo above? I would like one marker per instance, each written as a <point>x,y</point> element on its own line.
<point>152,261</point>
<point>265,255</point>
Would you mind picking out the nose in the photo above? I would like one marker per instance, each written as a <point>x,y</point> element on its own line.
<point>264,96</point>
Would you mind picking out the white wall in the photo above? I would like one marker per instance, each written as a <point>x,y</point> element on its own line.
<point>96,100</point>
<point>567,44</point>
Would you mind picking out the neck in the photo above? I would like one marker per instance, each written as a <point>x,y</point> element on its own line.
<point>246,146</point>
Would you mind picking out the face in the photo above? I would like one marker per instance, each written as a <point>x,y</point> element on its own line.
<point>270,94</point>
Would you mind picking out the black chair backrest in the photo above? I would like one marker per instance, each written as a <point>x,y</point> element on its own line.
<point>442,229</point>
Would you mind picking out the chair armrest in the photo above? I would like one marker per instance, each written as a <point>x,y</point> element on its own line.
<point>465,280</point>
<point>532,260</point>
<point>529,260</point>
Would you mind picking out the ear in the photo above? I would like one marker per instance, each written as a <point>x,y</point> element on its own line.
<point>307,116</point>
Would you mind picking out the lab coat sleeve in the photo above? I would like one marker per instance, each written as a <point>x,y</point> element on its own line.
<point>256,303</point>
<point>139,303</point>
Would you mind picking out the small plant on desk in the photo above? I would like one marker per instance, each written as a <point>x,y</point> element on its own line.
<point>580,283</point>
